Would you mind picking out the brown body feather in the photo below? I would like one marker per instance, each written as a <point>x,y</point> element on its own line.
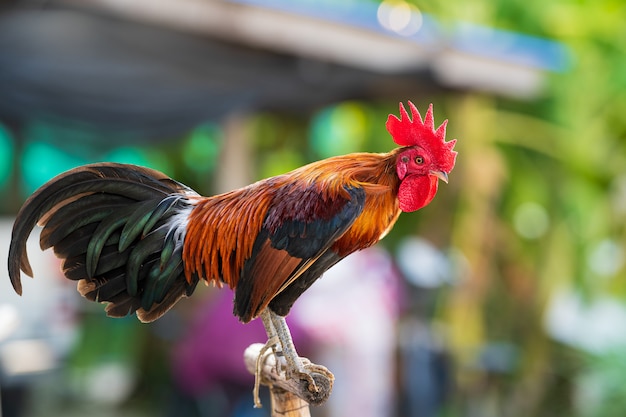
<point>222,230</point>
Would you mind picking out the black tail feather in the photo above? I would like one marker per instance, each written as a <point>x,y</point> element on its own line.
<point>104,288</point>
<point>74,243</point>
<point>109,223</point>
<point>76,214</point>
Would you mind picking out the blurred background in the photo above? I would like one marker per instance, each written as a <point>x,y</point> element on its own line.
<point>504,297</point>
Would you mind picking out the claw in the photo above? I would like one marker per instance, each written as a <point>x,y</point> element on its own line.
<point>309,370</point>
<point>305,376</point>
<point>315,393</point>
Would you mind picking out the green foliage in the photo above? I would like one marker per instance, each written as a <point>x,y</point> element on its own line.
<point>563,152</point>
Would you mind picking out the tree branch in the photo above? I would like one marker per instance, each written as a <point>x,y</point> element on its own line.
<point>289,395</point>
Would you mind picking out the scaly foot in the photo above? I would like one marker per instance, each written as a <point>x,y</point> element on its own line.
<point>318,379</point>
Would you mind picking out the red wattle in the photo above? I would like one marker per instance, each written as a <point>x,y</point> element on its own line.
<point>416,191</point>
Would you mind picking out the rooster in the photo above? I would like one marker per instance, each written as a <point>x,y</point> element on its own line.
<point>140,241</point>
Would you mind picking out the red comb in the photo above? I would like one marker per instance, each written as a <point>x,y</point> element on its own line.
<point>410,132</point>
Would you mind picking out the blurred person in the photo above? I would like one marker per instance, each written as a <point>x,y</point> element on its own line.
<point>424,365</point>
<point>423,362</point>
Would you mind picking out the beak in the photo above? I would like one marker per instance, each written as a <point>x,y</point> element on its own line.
<point>443,176</point>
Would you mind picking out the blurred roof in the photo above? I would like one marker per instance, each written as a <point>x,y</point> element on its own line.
<point>159,67</point>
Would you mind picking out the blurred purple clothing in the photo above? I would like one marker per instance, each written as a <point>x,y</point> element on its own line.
<point>211,350</point>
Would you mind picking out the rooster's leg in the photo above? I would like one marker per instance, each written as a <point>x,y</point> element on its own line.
<point>294,363</point>
<point>295,367</point>
<point>312,383</point>
<point>272,343</point>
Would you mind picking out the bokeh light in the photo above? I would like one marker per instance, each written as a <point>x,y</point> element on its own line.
<point>339,130</point>
<point>201,149</point>
<point>531,220</point>
<point>6,155</point>
<point>400,17</point>
<point>42,161</point>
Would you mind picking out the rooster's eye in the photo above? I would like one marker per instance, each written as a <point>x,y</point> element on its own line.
<point>419,160</point>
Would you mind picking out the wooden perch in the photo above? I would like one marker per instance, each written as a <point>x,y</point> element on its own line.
<point>290,397</point>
